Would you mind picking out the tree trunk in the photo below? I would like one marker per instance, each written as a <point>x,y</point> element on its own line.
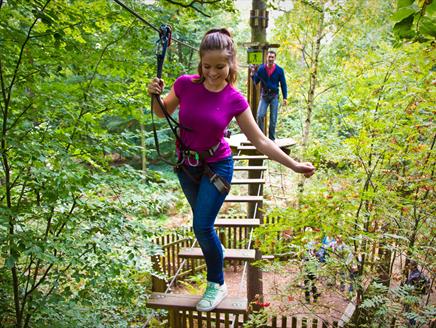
<point>258,31</point>
<point>143,149</point>
<point>313,82</point>
<point>384,267</point>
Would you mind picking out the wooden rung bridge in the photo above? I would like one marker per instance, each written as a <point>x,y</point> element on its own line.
<point>232,311</point>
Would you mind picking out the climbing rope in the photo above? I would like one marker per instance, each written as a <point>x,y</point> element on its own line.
<point>134,13</point>
<point>165,38</point>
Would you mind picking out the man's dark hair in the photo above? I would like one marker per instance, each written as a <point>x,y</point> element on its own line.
<point>272,52</point>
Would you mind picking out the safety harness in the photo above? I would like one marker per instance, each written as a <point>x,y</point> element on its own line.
<point>186,155</point>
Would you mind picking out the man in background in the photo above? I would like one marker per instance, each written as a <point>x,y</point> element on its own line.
<point>270,75</point>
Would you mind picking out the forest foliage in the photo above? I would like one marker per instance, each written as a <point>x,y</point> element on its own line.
<point>77,216</point>
<point>368,92</point>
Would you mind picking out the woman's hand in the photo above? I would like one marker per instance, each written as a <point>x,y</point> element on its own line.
<point>155,87</point>
<point>306,168</point>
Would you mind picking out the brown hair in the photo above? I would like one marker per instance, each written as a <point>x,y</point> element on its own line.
<point>219,39</point>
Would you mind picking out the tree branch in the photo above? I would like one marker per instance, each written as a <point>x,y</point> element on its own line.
<point>20,57</point>
<point>3,88</point>
<point>312,5</point>
<point>62,272</point>
<point>19,116</point>
<point>70,212</point>
<point>192,3</point>
<point>86,91</point>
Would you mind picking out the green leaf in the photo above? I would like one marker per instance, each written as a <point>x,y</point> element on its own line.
<point>403,28</point>
<point>431,9</point>
<point>404,12</point>
<point>427,26</point>
<point>404,3</point>
<point>10,262</point>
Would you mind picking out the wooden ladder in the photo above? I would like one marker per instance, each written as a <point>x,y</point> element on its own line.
<point>183,305</point>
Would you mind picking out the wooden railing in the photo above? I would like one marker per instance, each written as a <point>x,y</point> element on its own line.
<point>193,319</point>
<point>170,262</point>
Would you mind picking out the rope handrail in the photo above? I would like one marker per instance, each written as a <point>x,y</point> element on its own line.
<point>134,13</point>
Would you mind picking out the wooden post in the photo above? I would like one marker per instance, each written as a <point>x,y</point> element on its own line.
<point>173,318</point>
<point>255,209</point>
<point>157,284</point>
<point>258,24</point>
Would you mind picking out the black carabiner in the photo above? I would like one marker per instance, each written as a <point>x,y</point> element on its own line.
<point>162,45</point>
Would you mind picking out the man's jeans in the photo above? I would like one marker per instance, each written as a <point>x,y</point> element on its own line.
<point>206,201</point>
<point>261,113</point>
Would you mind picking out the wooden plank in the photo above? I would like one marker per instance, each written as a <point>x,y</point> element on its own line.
<point>191,319</point>
<point>200,320</point>
<point>247,181</point>
<point>183,319</point>
<point>285,142</point>
<point>236,139</point>
<point>239,139</point>
<point>274,322</point>
<point>243,199</point>
<point>188,302</point>
<point>248,157</point>
<point>231,254</point>
<point>217,318</point>
<point>249,168</point>
<point>244,148</point>
<point>284,322</point>
<point>208,320</point>
<point>282,143</point>
<point>237,222</point>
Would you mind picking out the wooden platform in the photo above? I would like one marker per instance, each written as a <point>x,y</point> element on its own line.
<point>237,222</point>
<point>240,139</point>
<point>188,302</point>
<point>243,199</point>
<point>247,181</point>
<point>246,148</point>
<point>249,168</point>
<point>231,254</point>
<point>249,157</point>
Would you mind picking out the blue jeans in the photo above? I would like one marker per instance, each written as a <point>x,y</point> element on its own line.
<point>206,201</point>
<point>261,113</point>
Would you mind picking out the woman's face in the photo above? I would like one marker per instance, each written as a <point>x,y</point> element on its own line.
<point>215,67</point>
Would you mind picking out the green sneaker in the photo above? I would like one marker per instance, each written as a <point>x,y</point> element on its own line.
<point>213,296</point>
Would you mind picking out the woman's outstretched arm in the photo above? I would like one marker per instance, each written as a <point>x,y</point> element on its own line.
<point>268,147</point>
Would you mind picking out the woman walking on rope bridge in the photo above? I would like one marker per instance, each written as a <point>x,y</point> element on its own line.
<point>208,102</point>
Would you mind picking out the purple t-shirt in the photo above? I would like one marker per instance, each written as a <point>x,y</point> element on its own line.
<point>207,114</point>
